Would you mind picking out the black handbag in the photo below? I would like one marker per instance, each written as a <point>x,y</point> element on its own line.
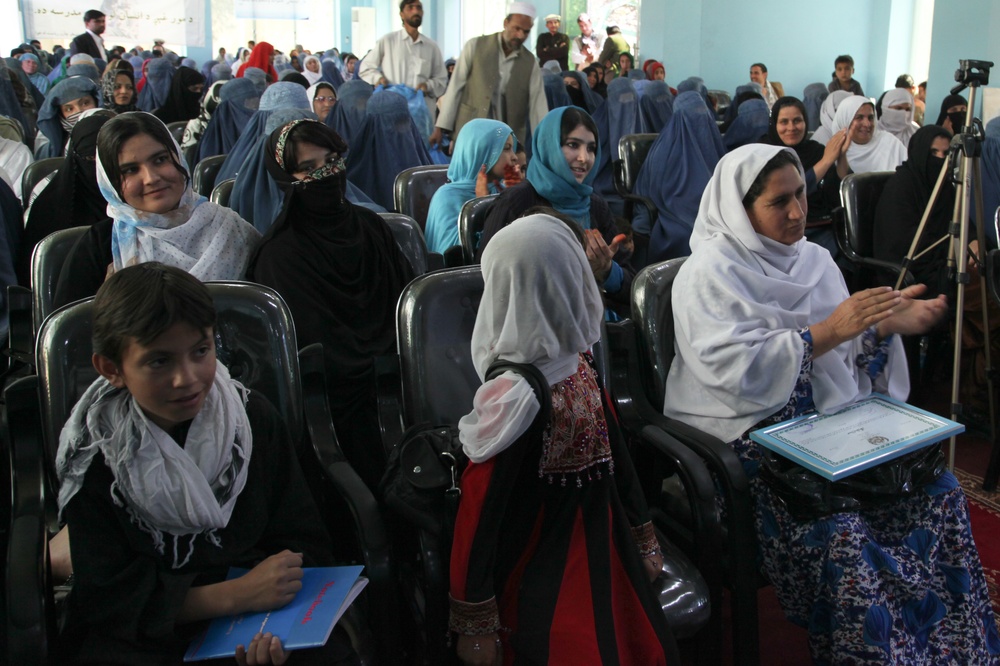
<point>421,481</point>
<point>807,495</point>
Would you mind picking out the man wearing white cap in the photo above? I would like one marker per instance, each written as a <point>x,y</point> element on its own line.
<point>553,45</point>
<point>496,77</point>
<point>408,57</point>
<point>587,46</point>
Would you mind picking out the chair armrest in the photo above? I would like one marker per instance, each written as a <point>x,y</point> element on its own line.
<point>21,328</point>
<point>389,391</point>
<point>840,231</point>
<point>30,605</point>
<point>645,201</point>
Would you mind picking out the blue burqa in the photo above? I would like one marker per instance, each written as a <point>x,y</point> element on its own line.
<point>352,103</point>
<point>750,125</point>
<point>679,165</point>
<point>50,115</point>
<point>239,101</point>
<point>480,143</point>
<point>619,116</point>
<point>656,105</point>
<point>555,90</point>
<point>386,143</point>
<point>813,97</point>
<point>281,95</point>
<point>159,74</point>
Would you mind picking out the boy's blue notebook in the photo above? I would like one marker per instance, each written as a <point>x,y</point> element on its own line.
<point>869,432</point>
<point>305,622</point>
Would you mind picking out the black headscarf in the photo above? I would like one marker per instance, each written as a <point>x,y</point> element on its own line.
<point>72,198</point>
<point>341,273</point>
<point>181,104</point>
<point>810,152</point>
<point>947,103</point>
<point>902,204</point>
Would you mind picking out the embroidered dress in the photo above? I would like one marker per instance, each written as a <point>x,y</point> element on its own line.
<point>549,539</point>
<point>900,584</point>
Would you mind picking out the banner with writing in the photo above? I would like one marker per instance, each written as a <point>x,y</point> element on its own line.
<point>129,22</point>
<point>273,9</point>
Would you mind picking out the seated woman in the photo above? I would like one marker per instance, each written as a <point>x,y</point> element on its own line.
<point>352,102</point>
<point>675,173</point>
<point>866,147</point>
<point>238,101</point>
<point>355,272</point>
<point>902,205</point>
<point>485,150</point>
<point>71,197</point>
<point>896,114</point>
<point>156,91</point>
<point>312,69</point>
<point>163,495</point>
<point>118,87</point>
<point>564,153</point>
<point>183,102</point>
<point>322,98</point>
<point>788,128</point>
<point>63,105</point>
<point>195,128</point>
<point>156,216</point>
<point>749,125</point>
<point>827,112</point>
<point>553,551</point>
<point>952,116</point>
<point>766,330</point>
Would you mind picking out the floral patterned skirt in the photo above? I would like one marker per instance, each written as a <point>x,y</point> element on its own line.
<point>900,584</point>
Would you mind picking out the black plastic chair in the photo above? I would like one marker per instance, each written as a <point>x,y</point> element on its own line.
<point>414,187</point>
<point>46,263</point>
<point>176,130</point>
<point>641,352</point>
<point>34,173</point>
<point>410,240</point>
<point>632,152</point>
<point>855,227</point>
<point>255,337</point>
<point>204,172</point>
<point>435,319</point>
<point>223,192</point>
<point>471,222</point>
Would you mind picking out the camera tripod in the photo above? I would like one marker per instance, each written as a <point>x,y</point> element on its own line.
<point>962,166</point>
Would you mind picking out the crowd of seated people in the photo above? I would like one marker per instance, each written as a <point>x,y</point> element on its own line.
<point>766,328</point>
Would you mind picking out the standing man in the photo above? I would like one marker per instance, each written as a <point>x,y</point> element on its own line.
<point>553,45</point>
<point>407,57</point>
<point>587,46</point>
<point>490,80</point>
<point>769,90</point>
<point>90,42</point>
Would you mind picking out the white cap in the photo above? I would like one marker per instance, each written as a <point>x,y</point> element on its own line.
<point>553,17</point>
<point>524,8</point>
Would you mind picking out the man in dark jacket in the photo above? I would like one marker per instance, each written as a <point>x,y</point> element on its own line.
<point>553,45</point>
<point>90,42</point>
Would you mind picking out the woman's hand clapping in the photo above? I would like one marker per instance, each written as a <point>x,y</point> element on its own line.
<point>913,316</point>
<point>863,309</point>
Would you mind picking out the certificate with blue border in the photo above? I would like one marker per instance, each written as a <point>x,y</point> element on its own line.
<point>869,432</point>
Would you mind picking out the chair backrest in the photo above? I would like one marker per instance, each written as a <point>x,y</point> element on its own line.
<point>223,192</point>
<point>255,339</point>
<point>34,173</point>
<point>722,101</point>
<point>410,240</point>
<point>46,262</point>
<point>859,195</point>
<point>204,172</point>
<point>176,130</point>
<point>632,152</point>
<point>471,221</point>
<point>414,187</point>
<point>654,323</point>
<point>434,322</point>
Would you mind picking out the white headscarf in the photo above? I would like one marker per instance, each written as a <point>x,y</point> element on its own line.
<point>312,77</point>
<point>208,241</point>
<point>540,306</point>
<point>897,122</point>
<point>883,152</point>
<point>826,113</point>
<point>164,487</point>
<point>739,302</point>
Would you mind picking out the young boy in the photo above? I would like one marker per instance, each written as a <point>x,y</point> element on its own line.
<point>843,76</point>
<point>170,473</point>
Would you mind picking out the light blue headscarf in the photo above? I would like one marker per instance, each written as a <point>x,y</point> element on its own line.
<point>551,176</point>
<point>50,115</point>
<point>222,72</point>
<point>480,143</point>
<point>39,80</point>
<point>281,95</point>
